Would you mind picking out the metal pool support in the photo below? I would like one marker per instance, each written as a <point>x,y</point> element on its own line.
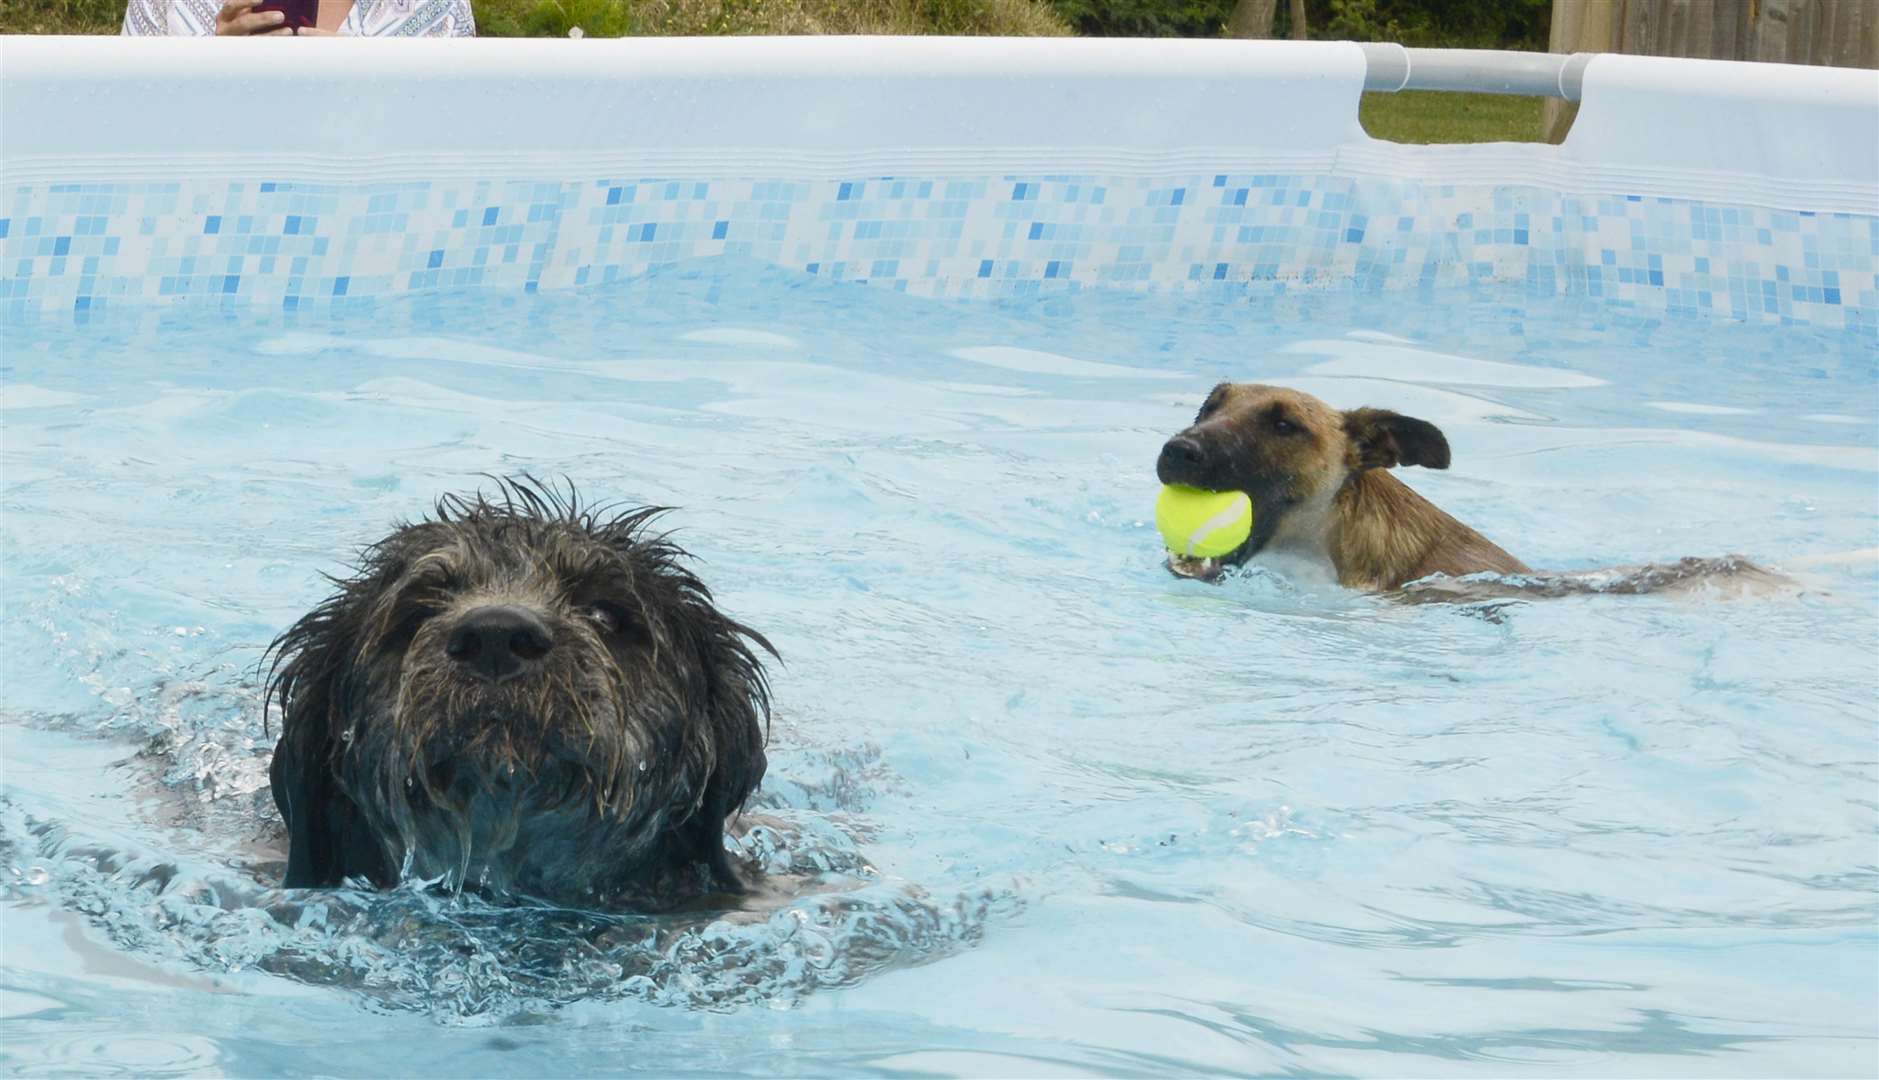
<point>1391,67</point>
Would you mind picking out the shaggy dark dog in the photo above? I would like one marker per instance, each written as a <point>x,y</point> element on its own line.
<point>521,696</point>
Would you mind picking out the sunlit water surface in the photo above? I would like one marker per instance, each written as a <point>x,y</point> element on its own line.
<point>1071,815</point>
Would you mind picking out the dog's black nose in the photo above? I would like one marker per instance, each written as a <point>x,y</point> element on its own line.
<point>1181,458</point>
<point>499,642</point>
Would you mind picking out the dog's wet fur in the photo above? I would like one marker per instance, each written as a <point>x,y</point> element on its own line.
<point>523,696</point>
<point>1320,482</point>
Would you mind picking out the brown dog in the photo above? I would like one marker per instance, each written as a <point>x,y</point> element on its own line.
<point>1321,488</point>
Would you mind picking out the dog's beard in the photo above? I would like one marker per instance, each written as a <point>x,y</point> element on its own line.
<point>536,786</point>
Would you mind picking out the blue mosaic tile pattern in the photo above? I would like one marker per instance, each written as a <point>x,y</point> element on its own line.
<point>85,246</point>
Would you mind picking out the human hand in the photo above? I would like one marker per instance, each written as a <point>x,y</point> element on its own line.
<point>237,19</point>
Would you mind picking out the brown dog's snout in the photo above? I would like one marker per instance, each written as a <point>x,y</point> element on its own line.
<point>1182,460</point>
<point>498,642</point>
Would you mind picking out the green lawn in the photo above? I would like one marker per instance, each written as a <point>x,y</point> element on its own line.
<point>1427,116</point>
<point>61,16</point>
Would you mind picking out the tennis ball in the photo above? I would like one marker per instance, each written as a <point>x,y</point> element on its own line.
<point>1203,524</point>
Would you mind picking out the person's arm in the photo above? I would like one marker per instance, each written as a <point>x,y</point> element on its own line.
<point>198,18</point>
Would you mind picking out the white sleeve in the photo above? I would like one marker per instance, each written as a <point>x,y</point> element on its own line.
<point>144,18</point>
<point>411,18</point>
<point>170,18</point>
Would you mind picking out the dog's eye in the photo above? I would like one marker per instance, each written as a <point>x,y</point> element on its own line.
<point>408,626</point>
<point>611,618</point>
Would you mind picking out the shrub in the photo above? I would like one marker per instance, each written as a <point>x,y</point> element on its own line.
<point>613,18</point>
<point>1460,24</point>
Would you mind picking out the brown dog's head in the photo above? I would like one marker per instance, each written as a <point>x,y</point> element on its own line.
<point>523,695</point>
<point>1290,453</point>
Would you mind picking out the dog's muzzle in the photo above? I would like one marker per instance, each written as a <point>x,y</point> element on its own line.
<point>1183,461</point>
<point>498,642</point>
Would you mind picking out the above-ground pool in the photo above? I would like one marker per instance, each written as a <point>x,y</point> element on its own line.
<point>1068,813</point>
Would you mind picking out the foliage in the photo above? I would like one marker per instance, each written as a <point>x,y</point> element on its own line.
<point>1454,24</point>
<point>1462,24</point>
<point>616,18</point>
<point>1145,18</point>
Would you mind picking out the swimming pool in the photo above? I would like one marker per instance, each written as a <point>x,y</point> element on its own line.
<point>1088,817</point>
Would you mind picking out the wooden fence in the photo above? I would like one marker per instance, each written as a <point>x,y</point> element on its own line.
<point>1837,33</point>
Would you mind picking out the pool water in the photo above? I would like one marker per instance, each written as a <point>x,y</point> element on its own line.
<point>1073,815</point>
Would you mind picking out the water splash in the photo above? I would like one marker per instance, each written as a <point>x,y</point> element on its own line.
<point>462,959</point>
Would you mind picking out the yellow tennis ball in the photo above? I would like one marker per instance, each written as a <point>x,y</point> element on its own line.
<point>1203,524</point>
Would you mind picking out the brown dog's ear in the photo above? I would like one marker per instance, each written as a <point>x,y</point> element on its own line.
<point>1214,400</point>
<point>1381,439</point>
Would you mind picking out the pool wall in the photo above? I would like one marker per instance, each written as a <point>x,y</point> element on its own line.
<point>138,171</point>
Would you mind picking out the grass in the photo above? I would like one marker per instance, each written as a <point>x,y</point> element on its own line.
<point>619,18</point>
<point>61,16</point>
<point>1427,116</point>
